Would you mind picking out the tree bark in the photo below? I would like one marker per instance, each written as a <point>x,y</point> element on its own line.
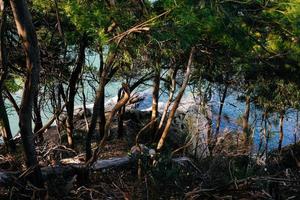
<point>121,113</point>
<point>5,127</point>
<point>171,95</point>
<point>221,110</point>
<point>246,130</point>
<point>177,101</point>
<point>208,126</point>
<point>72,90</point>
<point>38,123</point>
<point>109,120</point>
<point>9,96</point>
<point>155,96</point>
<point>98,109</point>
<point>72,166</point>
<point>4,122</point>
<point>281,134</point>
<point>28,36</point>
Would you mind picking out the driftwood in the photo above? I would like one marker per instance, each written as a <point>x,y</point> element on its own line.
<point>73,166</point>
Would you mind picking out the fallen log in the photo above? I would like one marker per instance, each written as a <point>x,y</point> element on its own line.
<point>72,166</point>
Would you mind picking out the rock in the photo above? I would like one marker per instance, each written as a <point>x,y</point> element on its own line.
<point>197,127</point>
<point>79,112</point>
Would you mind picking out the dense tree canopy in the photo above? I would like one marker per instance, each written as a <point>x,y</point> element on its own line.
<point>65,54</point>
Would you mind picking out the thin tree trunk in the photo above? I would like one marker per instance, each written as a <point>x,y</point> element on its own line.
<point>84,106</point>
<point>155,96</point>
<point>123,109</point>
<point>246,130</point>
<point>9,96</point>
<point>72,90</point>
<point>4,122</point>
<point>281,130</point>
<point>27,33</point>
<point>209,139</point>
<point>261,135</point>
<point>38,123</point>
<point>98,109</point>
<point>176,102</point>
<point>5,127</point>
<point>96,112</point>
<point>50,121</point>
<point>221,110</point>
<point>171,95</point>
<point>109,120</point>
<point>121,113</point>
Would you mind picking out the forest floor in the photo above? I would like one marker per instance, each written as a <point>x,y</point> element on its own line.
<point>225,175</point>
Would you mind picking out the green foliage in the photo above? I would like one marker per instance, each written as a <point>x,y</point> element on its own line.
<point>13,84</point>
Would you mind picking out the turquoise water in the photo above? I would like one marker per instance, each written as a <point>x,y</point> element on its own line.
<point>92,60</point>
<point>233,109</point>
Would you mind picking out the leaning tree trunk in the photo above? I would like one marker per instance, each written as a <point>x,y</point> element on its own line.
<point>246,130</point>
<point>72,90</point>
<point>281,130</point>
<point>155,95</point>
<point>4,123</point>
<point>121,112</point>
<point>221,110</point>
<point>5,127</point>
<point>171,95</point>
<point>109,120</point>
<point>176,102</point>
<point>27,33</point>
<point>98,109</point>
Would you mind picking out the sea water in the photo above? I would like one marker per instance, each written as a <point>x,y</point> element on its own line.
<point>233,110</point>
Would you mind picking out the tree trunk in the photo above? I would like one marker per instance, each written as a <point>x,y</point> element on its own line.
<point>281,130</point>
<point>121,113</point>
<point>38,124</point>
<point>171,95</point>
<point>221,110</point>
<point>176,102</point>
<point>112,114</point>
<point>27,33</point>
<point>9,96</point>
<point>246,130</point>
<point>208,126</point>
<point>73,166</point>
<point>4,123</point>
<point>98,109</point>
<point>72,90</point>
<point>5,127</point>
<point>155,96</point>
<point>84,106</point>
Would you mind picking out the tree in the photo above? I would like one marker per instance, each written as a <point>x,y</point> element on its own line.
<point>176,101</point>
<point>28,36</point>
<point>75,75</point>
<point>4,123</point>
